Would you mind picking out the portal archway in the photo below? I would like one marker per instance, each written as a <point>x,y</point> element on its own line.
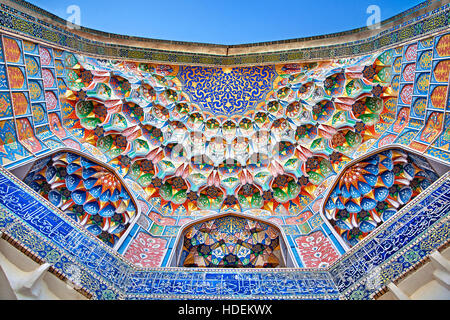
<point>372,189</point>
<point>84,189</point>
<point>231,240</point>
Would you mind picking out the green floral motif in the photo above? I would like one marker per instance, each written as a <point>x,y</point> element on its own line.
<point>109,295</point>
<point>412,256</point>
<point>53,257</point>
<point>357,295</point>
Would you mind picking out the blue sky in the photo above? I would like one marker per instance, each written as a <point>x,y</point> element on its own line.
<point>225,21</point>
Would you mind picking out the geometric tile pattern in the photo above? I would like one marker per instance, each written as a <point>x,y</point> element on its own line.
<point>412,27</point>
<point>231,242</point>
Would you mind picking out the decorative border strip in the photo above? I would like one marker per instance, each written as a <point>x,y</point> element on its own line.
<point>414,268</point>
<point>40,261</point>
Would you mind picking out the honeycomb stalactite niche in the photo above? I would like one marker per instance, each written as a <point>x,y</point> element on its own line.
<point>232,242</point>
<point>85,191</point>
<point>275,152</point>
<point>374,189</point>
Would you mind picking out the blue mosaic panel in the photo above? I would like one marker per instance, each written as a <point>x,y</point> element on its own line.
<point>33,67</point>
<point>397,234</point>
<point>3,78</point>
<point>421,83</point>
<point>424,60</point>
<point>443,141</point>
<point>53,142</point>
<point>438,153</point>
<point>30,48</point>
<point>227,91</point>
<point>60,69</point>
<point>425,44</point>
<point>5,105</point>
<point>10,148</point>
<point>39,114</point>
<point>406,137</point>
<point>418,107</point>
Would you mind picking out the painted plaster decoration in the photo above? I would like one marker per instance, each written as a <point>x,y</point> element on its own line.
<point>291,127</point>
<point>146,251</point>
<point>86,192</point>
<point>232,242</point>
<point>316,250</point>
<point>373,190</point>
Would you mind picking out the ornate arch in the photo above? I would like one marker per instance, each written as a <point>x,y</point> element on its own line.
<point>231,240</point>
<point>84,189</point>
<point>373,188</point>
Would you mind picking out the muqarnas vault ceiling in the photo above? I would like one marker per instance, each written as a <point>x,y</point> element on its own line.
<point>232,242</point>
<point>371,191</point>
<point>272,155</point>
<point>144,149</point>
<point>85,191</point>
<point>182,154</point>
